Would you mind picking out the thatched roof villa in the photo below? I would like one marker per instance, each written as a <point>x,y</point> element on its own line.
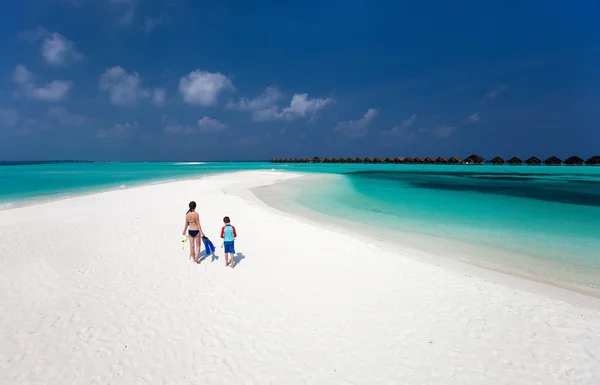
<point>454,160</point>
<point>533,161</point>
<point>574,161</point>
<point>428,160</point>
<point>418,160</point>
<point>497,161</point>
<point>593,161</point>
<point>399,160</point>
<point>474,159</point>
<point>368,160</point>
<point>377,160</point>
<point>514,161</point>
<point>441,160</point>
<point>553,161</point>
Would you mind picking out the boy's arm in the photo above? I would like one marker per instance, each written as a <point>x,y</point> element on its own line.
<point>223,232</point>
<point>234,233</point>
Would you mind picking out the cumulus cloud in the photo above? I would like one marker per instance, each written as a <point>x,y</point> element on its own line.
<point>207,124</point>
<point>263,101</point>
<point>158,98</point>
<point>52,91</point>
<point>473,118</point>
<point>492,95</point>
<point>203,88</point>
<point>300,107</point>
<point>124,89</point>
<point>64,117</point>
<point>118,131</point>
<point>358,128</point>
<point>403,128</point>
<point>21,75</point>
<point>8,118</point>
<point>56,49</point>
<point>204,125</point>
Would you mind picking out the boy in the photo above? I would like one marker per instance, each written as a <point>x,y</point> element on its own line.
<point>228,234</point>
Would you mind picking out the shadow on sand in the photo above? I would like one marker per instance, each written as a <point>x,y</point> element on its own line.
<point>237,258</point>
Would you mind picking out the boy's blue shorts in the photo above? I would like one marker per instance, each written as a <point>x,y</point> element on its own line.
<point>229,248</point>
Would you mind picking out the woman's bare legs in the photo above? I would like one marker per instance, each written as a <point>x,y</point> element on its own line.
<point>192,252</point>
<point>197,254</point>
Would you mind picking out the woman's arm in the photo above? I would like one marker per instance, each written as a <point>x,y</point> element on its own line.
<point>199,226</point>
<point>185,226</point>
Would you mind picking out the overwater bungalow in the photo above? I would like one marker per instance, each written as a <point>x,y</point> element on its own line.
<point>409,160</point>
<point>593,161</point>
<point>349,160</point>
<point>454,160</point>
<point>317,159</point>
<point>326,160</point>
<point>399,160</point>
<point>359,160</point>
<point>341,160</point>
<point>418,160</point>
<point>441,160</point>
<point>377,160</point>
<point>335,160</point>
<point>368,160</point>
<point>474,159</point>
<point>514,161</point>
<point>574,161</point>
<point>553,161</point>
<point>388,160</point>
<point>428,160</point>
<point>497,161</point>
<point>533,161</point>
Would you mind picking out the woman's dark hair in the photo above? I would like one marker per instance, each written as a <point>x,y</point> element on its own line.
<point>192,206</point>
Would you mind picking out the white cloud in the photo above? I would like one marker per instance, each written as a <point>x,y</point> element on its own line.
<point>124,89</point>
<point>52,91</point>
<point>118,131</point>
<point>21,75</point>
<point>57,50</point>
<point>443,131</point>
<point>158,98</point>
<point>300,107</point>
<point>473,118</point>
<point>358,128</point>
<point>64,117</point>
<point>402,128</point>
<point>496,92</point>
<point>204,125</point>
<point>203,88</point>
<point>151,23</point>
<point>207,124</point>
<point>8,118</point>
<point>264,101</point>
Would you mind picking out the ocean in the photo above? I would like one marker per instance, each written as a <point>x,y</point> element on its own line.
<point>535,220</point>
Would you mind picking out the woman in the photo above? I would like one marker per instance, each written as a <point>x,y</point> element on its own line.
<point>192,220</point>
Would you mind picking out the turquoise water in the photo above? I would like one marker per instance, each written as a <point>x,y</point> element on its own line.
<point>539,220</point>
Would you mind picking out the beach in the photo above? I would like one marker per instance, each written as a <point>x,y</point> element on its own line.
<point>96,289</point>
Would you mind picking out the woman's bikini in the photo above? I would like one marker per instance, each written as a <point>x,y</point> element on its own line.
<point>193,233</point>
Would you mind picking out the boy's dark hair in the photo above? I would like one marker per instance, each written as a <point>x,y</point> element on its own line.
<point>226,220</point>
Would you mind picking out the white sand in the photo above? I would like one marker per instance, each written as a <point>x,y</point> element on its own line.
<point>97,290</point>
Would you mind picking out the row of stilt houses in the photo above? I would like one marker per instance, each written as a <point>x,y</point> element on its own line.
<point>472,159</point>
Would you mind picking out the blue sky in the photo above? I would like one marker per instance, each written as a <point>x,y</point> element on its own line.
<point>249,80</point>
